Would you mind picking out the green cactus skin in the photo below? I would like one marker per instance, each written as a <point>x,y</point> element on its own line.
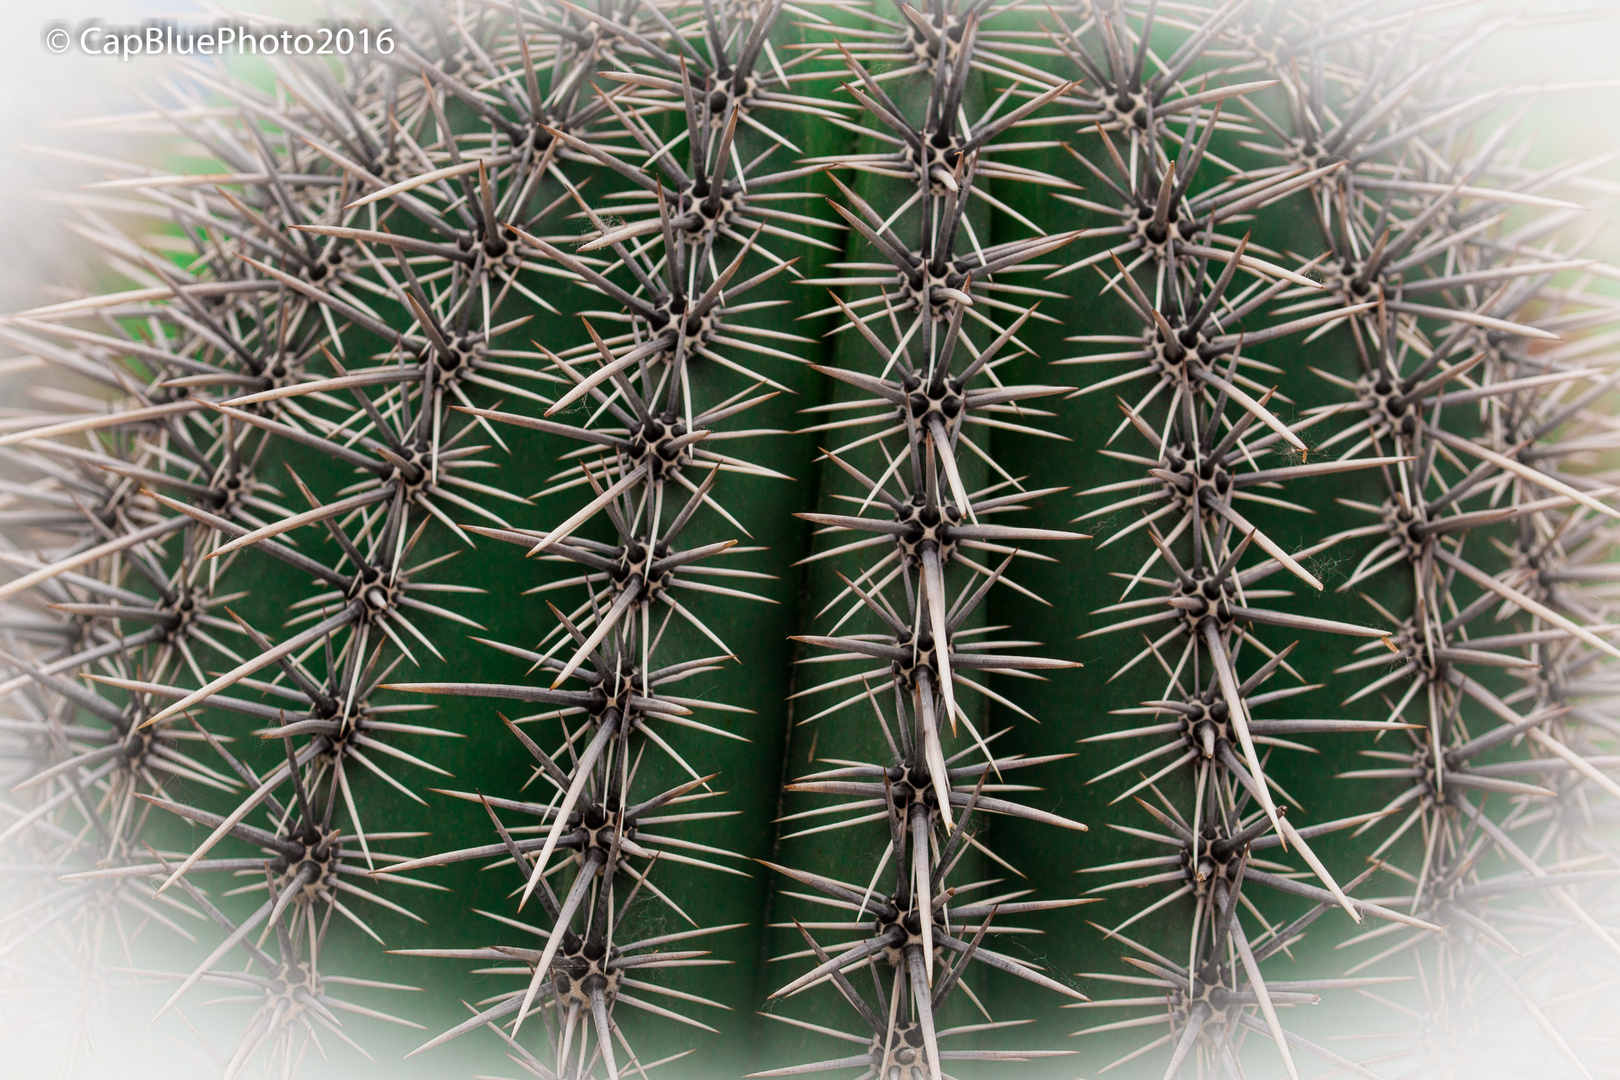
<point>992,341</point>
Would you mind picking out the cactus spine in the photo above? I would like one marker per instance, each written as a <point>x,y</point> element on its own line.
<point>546,282</point>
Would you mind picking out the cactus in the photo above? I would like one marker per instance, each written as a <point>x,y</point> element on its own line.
<point>692,410</point>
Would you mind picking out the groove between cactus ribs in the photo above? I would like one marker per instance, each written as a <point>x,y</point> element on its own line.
<point>792,538</point>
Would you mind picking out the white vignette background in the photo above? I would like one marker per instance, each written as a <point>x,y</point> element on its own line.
<point>41,260</point>
<point>43,96</point>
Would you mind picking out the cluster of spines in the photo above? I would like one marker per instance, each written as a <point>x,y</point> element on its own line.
<point>1455,395</point>
<point>927,316</point>
<point>357,219</point>
<point>349,279</point>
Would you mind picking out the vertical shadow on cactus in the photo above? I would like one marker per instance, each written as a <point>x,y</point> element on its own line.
<point>535,284</point>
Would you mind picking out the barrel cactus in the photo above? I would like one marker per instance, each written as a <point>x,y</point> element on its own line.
<point>533,558</point>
